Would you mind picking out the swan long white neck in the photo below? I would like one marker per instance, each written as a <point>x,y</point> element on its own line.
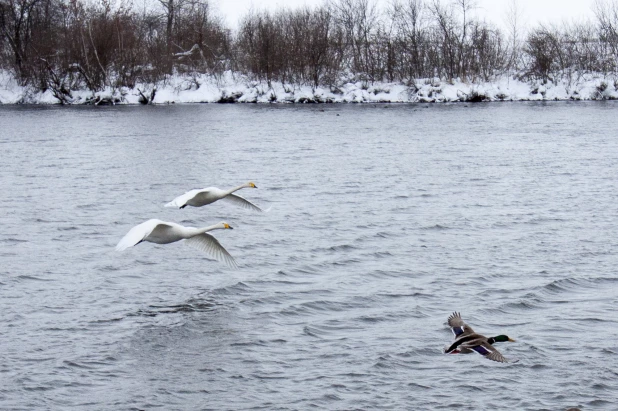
<point>230,191</point>
<point>209,228</point>
<point>188,232</point>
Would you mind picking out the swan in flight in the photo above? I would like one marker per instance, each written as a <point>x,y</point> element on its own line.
<point>201,197</point>
<point>163,232</point>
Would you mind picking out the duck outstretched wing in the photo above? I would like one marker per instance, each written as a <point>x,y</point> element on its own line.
<point>458,326</point>
<point>489,351</point>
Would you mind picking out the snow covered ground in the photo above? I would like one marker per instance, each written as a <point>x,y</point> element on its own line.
<point>232,87</point>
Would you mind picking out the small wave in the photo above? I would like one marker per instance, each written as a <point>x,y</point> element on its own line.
<point>309,331</point>
<point>87,206</point>
<point>415,385</point>
<point>279,188</point>
<point>372,319</point>
<point>325,305</point>
<point>235,289</point>
<point>565,285</point>
<point>594,320</point>
<point>602,280</point>
<point>468,387</point>
<point>523,305</point>
<point>338,386</point>
<point>542,220</point>
<point>191,306</point>
<point>435,227</point>
<point>388,362</point>
<point>386,274</point>
<point>258,343</point>
<point>598,403</point>
<point>305,270</point>
<point>13,240</point>
<point>467,269</point>
<point>69,228</point>
<point>144,262</point>
<point>188,307</point>
<point>32,278</point>
<point>383,234</point>
<point>283,282</point>
<point>109,268</point>
<point>331,397</point>
<point>559,286</point>
<point>335,248</point>
<point>381,254</point>
<point>38,388</point>
<point>601,386</point>
<point>280,376</point>
<point>346,262</point>
<point>402,295</point>
<point>105,321</point>
<point>73,364</point>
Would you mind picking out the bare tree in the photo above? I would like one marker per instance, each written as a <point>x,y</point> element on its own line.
<point>514,24</point>
<point>16,21</point>
<point>411,38</point>
<point>358,20</point>
<point>606,12</point>
<point>446,37</point>
<point>465,7</point>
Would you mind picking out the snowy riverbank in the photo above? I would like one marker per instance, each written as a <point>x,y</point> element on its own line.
<point>234,88</point>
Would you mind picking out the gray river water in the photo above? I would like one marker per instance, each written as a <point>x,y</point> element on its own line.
<point>383,220</point>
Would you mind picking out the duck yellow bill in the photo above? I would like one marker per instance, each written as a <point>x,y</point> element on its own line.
<point>511,340</point>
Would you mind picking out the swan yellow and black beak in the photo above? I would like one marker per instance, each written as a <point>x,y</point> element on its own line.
<point>252,185</point>
<point>226,225</point>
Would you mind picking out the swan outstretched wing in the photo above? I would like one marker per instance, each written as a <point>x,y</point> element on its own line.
<point>183,199</point>
<point>241,202</point>
<point>137,234</point>
<point>211,246</point>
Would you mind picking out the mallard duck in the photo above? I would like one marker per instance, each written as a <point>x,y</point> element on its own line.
<point>204,196</point>
<point>163,232</point>
<point>467,341</point>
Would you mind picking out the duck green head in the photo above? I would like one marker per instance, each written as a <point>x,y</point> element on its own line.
<point>500,338</point>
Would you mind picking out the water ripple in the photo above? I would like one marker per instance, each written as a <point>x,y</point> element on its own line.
<point>382,223</point>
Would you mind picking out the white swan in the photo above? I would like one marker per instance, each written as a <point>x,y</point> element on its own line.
<point>163,232</point>
<point>199,198</point>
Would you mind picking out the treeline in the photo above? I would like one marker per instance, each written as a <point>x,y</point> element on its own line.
<point>72,44</point>
<point>69,44</point>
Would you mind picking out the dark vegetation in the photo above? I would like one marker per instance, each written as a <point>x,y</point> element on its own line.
<point>64,45</point>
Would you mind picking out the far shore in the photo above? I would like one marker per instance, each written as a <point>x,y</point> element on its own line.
<point>234,88</point>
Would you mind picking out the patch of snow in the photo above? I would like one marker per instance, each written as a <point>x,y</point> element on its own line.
<point>233,87</point>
